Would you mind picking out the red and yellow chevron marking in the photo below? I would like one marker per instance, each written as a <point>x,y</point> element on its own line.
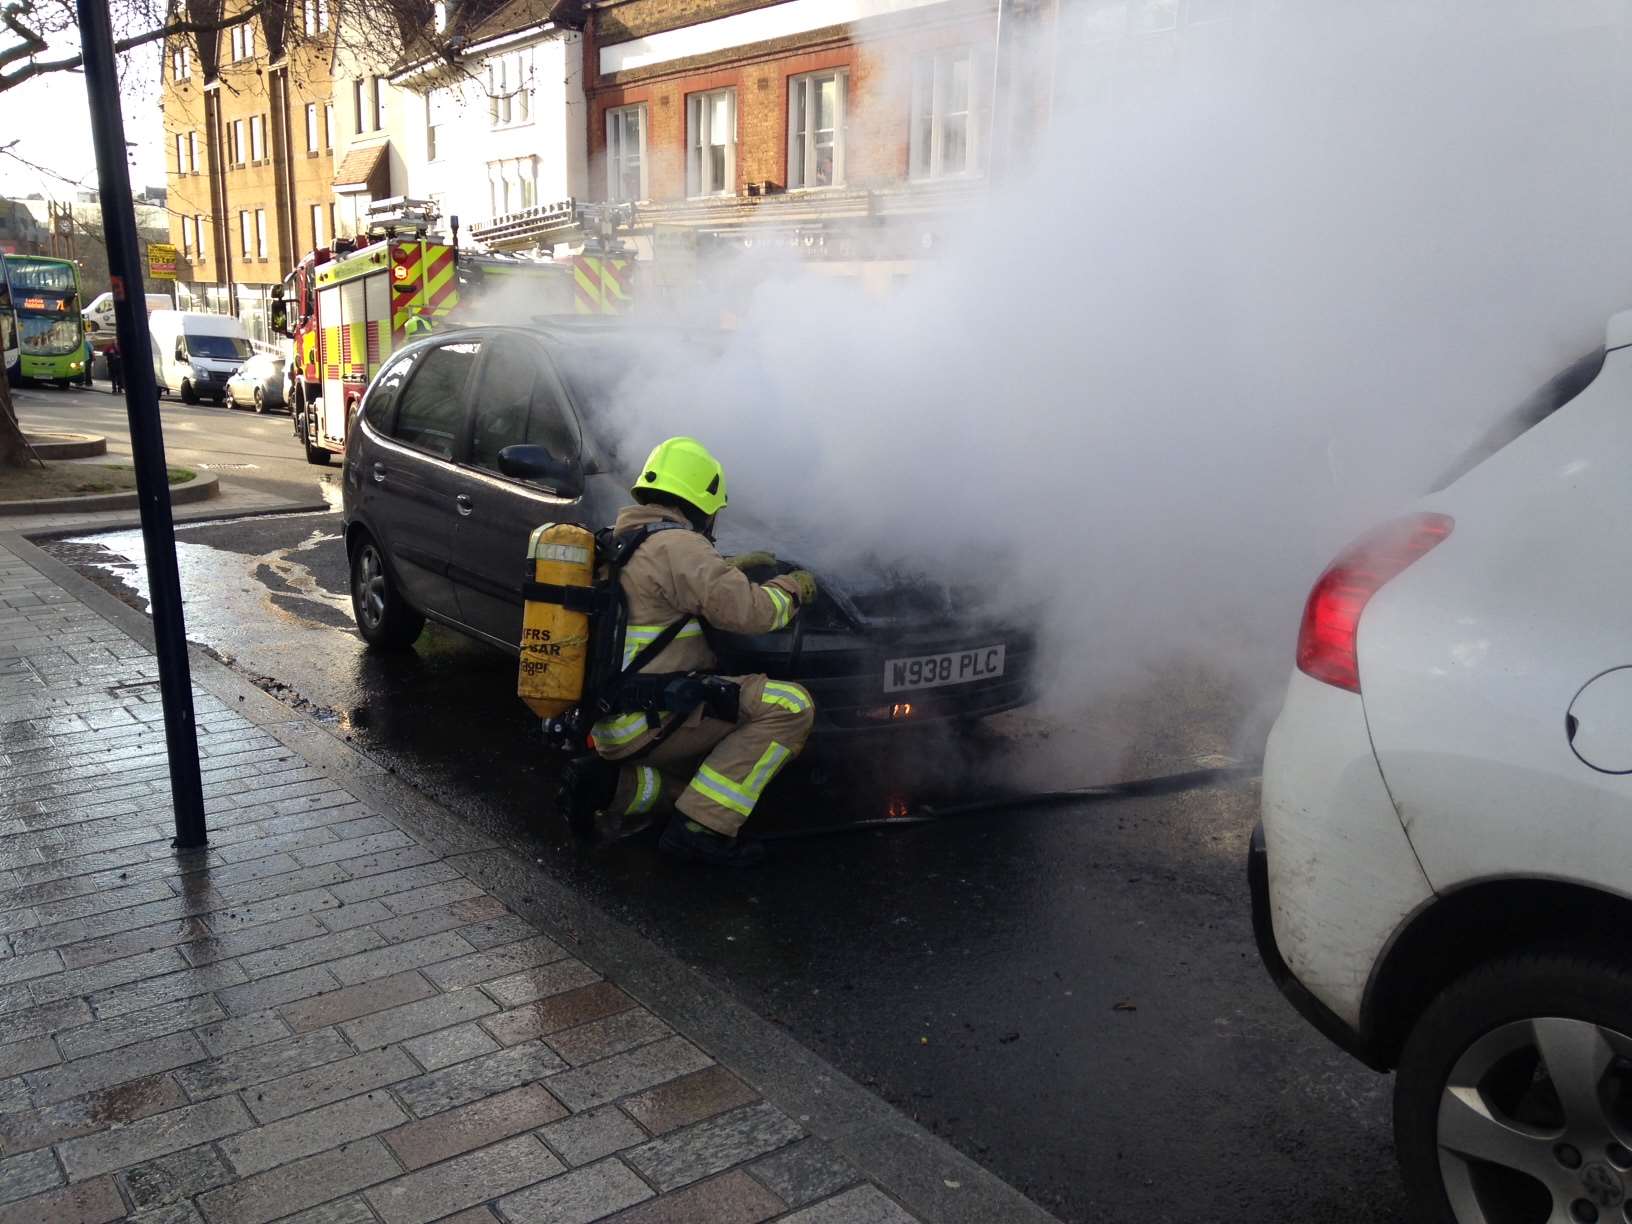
<point>602,286</point>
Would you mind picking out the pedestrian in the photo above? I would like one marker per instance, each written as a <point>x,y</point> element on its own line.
<point>710,762</point>
<point>116,368</point>
<point>89,358</point>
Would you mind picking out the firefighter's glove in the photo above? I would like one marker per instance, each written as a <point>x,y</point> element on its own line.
<point>806,586</point>
<point>753,561</point>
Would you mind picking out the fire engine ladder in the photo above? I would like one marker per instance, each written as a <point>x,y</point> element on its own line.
<point>598,226</point>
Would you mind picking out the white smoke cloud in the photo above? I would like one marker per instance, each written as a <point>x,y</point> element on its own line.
<point>1229,312</point>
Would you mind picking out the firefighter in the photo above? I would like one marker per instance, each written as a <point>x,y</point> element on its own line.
<point>417,325</point>
<point>710,763</point>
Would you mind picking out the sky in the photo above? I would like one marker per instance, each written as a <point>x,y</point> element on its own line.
<point>50,120</point>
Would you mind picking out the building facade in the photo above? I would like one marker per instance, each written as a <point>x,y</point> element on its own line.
<point>847,131</point>
<point>250,137</point>
<point>498,129</point>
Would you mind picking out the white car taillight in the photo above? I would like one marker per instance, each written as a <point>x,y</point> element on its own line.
<point>1331,618</point>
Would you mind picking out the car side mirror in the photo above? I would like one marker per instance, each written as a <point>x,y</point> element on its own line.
<point>279,317</point>
<point>535,463</point>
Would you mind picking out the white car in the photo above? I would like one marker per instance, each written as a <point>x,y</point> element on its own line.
<point>1442,880</point>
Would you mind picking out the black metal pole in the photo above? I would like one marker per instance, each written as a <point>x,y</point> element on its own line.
<point>146,434</point>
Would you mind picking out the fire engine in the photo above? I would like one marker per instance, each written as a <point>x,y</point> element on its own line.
<point>348,307</point>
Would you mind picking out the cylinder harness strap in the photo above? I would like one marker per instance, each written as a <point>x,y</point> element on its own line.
<point>629,691</point>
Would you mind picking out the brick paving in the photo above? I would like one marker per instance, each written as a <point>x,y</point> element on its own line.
<point>317,1018</point>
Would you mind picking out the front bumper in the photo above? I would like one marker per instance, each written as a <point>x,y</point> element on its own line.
<point>1328,1022</point>
<point>845,675</point>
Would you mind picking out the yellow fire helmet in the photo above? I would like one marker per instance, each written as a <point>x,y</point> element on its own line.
<point>683,467</point>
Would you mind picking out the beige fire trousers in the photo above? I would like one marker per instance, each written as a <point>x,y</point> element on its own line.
<point>738,761</point>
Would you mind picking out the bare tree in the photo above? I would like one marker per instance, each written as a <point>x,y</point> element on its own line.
<point>36,36</point>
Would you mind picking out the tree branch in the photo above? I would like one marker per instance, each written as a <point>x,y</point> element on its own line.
<point>167,30</point>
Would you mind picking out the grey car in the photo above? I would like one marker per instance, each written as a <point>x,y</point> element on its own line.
<point>467,441</point>
<point>259,382</point>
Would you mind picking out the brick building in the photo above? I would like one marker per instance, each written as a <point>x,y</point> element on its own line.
<point>849,131</point>
<point>250,132</point>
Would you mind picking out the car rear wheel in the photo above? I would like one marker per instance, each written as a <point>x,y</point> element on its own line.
<point>260,400</point>
<point>1513,1100</point>
<point>383,618</point>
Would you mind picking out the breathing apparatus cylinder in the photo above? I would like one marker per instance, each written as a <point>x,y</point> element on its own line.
<point>555,628</point>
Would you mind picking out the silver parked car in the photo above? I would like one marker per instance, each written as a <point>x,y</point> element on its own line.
<point>259,381</point>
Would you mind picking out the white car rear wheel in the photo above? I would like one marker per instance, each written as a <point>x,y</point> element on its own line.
<point>1513,1101</point>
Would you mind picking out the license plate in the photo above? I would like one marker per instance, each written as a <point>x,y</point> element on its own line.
<point>938,670</point>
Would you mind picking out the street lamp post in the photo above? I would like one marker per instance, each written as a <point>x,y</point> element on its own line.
<point>146,435</point>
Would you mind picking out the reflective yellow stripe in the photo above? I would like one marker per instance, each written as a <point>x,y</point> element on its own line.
<point>741,797</point>
<point>638,637</point>
<point>789,696</point>
<point>784,606</point>
<point>712,784</point>
<point>624,729</point>
<point>759,777</point>
<point>647,787</point>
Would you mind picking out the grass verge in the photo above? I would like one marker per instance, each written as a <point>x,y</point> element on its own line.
<point>73,480</point>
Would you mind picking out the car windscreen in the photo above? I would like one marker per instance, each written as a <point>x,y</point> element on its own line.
<point>1547,399</point>
<point>225,348</point>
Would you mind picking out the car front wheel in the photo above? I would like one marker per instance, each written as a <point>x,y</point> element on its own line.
<point>383,617</point>
<point>1513,1100</point>
<point>188,394</point>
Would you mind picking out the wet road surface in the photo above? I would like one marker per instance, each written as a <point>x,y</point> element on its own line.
<point>1069,994</point>
<point>237,444</point>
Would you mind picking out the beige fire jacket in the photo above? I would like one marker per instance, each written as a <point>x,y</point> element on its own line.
<point>680,574</point>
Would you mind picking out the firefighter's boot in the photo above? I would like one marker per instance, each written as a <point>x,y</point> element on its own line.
<point>693,843</point>
<point>587,786</point>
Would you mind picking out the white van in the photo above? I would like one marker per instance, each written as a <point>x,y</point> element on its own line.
<point>99,322</point>
<point>195,353</point>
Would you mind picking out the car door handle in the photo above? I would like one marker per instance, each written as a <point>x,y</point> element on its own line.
<point>464,503</point>
<point>379,473</point>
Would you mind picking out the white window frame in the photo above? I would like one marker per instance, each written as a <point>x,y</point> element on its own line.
<point>181,64</point>
<point>809,84</point>
<point>317,226</point>
<point>260,233</point>
<point>243,41</point>
<point>617,155</point>
<point>376,95</point>
<point>509,90</point>
<point>934,70</point>
<point>186,235</point>
<point>328,125</point>
<point>238,146</point>
<point>358,92</point>
<point>244,231</point>
<point>699,137</point>
<point>192,152</point>
<point>431,127</point>
<point>257,138</point>
<point>181,154</point>
<point>198,234</point>
<point>311,127</point>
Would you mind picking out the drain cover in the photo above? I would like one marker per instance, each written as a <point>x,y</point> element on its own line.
<point>229,467</point>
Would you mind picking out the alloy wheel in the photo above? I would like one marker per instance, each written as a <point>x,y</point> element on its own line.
<point>1535,1125</point>
<point>368,586</point>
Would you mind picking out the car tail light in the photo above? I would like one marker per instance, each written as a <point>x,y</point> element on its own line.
<point>1331,618</point>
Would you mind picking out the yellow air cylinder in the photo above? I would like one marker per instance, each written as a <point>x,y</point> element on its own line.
<point>554,640</point>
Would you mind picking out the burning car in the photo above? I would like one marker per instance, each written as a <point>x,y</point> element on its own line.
<point>436,530</point>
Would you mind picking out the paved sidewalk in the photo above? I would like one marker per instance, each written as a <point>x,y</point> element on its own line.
<point>327,1017</point>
